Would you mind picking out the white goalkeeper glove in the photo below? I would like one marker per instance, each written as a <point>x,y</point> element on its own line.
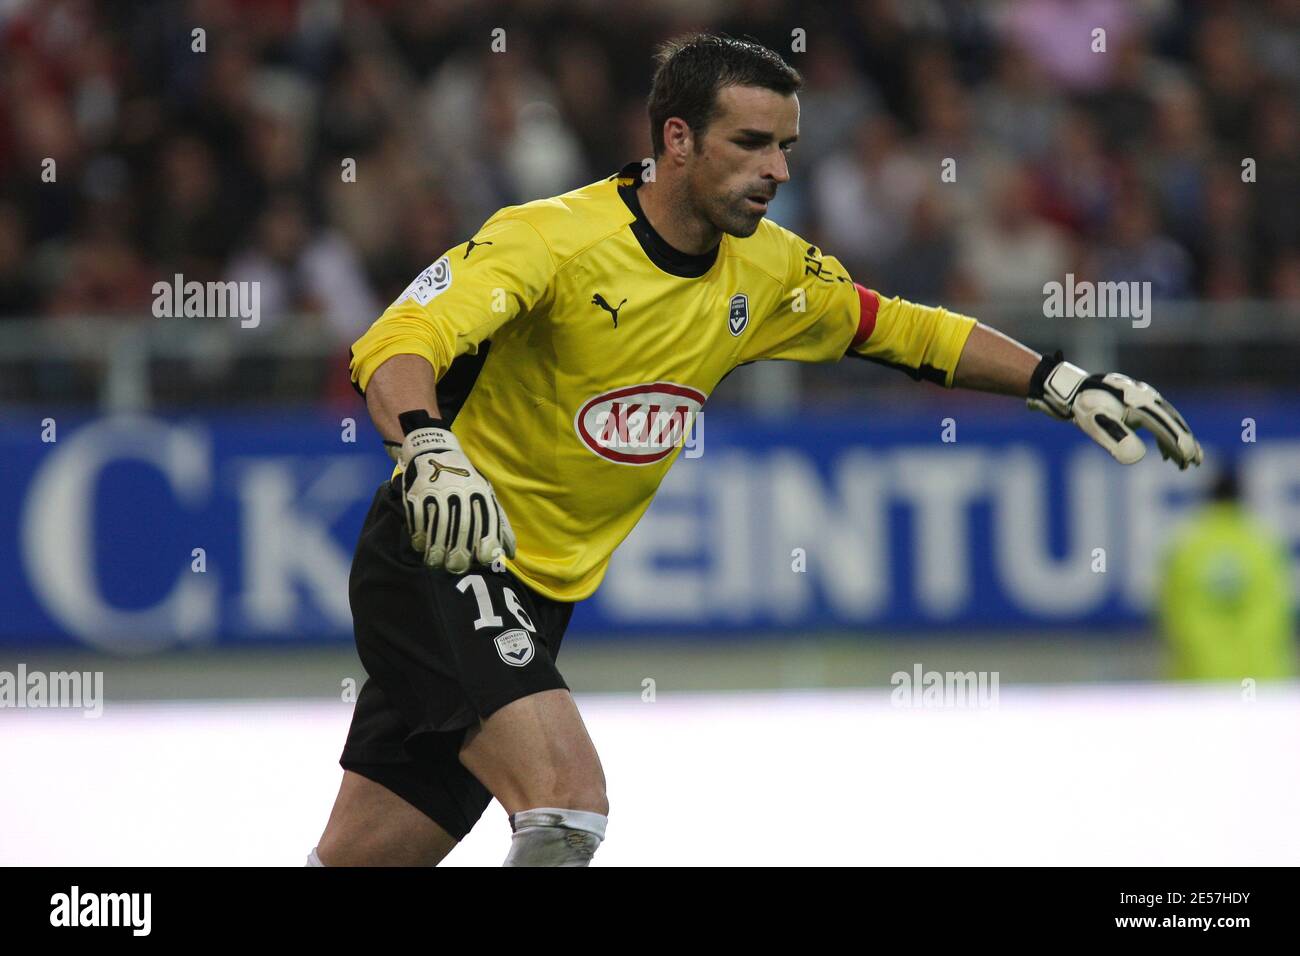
<point>452,512</point>
<point>1108,407</point>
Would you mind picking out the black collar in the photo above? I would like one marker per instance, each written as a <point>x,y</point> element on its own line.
<point>670,260</point>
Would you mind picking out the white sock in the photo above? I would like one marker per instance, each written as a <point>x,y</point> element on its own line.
<point>549,836</point>
<point>313,859</point>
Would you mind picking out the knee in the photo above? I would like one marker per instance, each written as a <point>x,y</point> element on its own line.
<point>331,850</point>
<point>585,793</point>
<point>592,800</point>
<point>336,849</point>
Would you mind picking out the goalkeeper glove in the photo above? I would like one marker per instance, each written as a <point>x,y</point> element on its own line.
<point>1108,407</point>
<point>451,510</point>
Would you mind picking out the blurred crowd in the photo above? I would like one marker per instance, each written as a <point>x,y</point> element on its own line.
<point>1173,156</point>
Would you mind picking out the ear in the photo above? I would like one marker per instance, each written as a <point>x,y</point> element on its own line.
<point>679,139</point>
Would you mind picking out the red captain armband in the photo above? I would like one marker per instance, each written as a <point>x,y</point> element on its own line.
<point>867,324</point>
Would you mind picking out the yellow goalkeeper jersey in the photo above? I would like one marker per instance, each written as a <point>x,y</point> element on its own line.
<point>574,347</point>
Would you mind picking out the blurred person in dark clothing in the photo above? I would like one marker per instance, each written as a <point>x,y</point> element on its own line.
<point>102,273</point>
<point>19,295</point>
<point>190,227</point>
<point>1284,281</point>
<point>1227,74</point>
<point>1076,181</point>
<point>1277,189</point>
<point>922,269</point>
<point>1224,236</point>
<point>1138,251</point>
<point>1008,252</point>
<point>300,269</point>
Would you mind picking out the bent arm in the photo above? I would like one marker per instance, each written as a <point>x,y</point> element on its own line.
<point>449,310</point>
<point>403,383</point>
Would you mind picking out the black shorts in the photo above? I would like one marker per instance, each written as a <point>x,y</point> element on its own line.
<point>442,651</point>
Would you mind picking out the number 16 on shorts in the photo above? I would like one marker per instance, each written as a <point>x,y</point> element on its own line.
<point>514,646</point>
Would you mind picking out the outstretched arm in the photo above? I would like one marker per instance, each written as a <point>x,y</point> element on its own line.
<point>993,362</point>
<point>1107,407</point>
<point>931,343</point>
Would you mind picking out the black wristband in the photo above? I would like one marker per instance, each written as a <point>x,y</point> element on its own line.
<point>418,418</point>
<point>1041,371</point>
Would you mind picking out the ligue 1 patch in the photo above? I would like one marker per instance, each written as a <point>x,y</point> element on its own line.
<point>738,314</point>
<point>515,647</point>
<point>433,281</point>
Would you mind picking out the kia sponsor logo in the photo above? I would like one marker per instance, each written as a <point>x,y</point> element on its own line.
<point>640,424</point>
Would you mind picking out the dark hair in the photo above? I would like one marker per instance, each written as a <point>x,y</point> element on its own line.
<point>692,69</point>
<point>1226,485</point>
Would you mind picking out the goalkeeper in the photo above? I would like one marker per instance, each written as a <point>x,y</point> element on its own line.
<point>534,385</point>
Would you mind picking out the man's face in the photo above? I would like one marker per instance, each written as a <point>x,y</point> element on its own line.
<point>740,159</point>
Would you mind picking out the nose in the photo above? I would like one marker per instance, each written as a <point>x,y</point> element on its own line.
<point>777,169</point>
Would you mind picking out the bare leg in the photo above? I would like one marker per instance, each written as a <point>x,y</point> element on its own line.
<point>536,758</point>
<point>535,752</point>
<point>372,826</point>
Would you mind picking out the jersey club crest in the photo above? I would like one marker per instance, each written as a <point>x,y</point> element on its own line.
<point>738,313</point>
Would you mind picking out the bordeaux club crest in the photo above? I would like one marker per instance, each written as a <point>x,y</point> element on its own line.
<point>738,313</point>
<point>515,647</point>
